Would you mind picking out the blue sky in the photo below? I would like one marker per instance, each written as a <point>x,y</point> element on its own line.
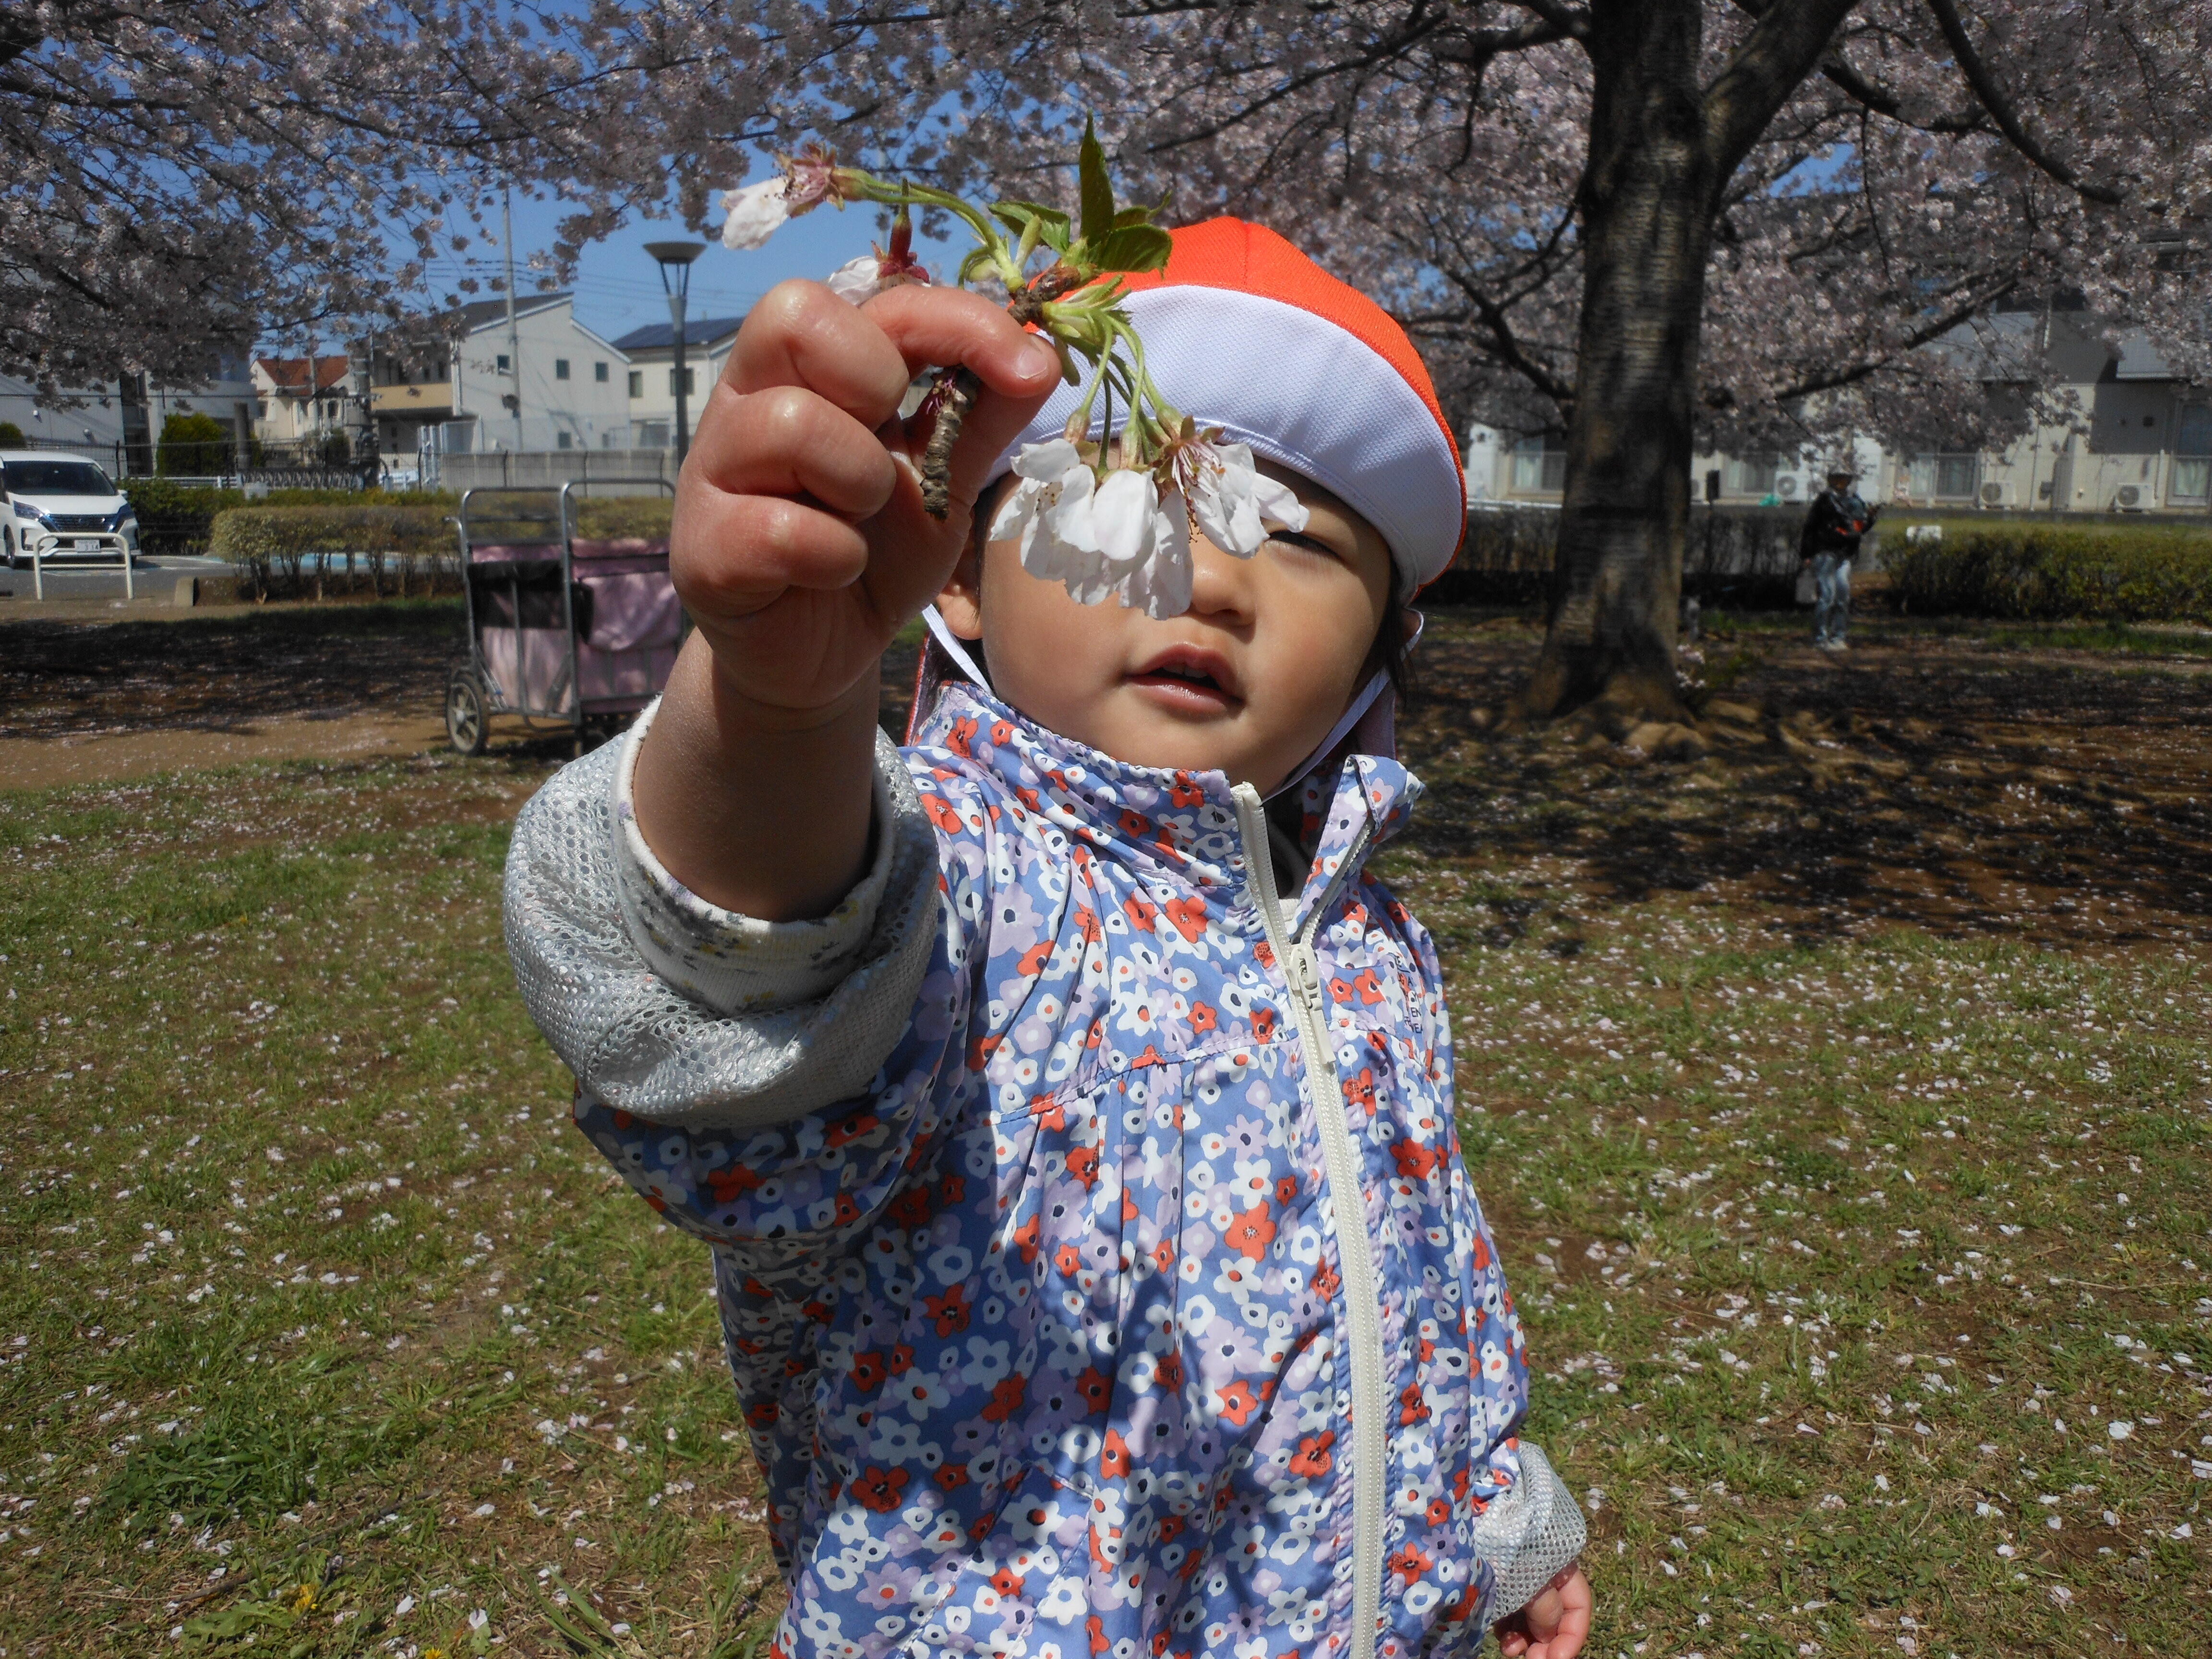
<point>618,287</point>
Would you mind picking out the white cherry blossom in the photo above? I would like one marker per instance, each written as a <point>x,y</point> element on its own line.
<point>1234,502</point>
<point>756,213</point>
<point>858,280</point>
<point>1120,539</point>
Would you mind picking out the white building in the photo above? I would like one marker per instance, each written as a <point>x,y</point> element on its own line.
<point>652,379</point>
<point>2138,439</point>
<point>117,421</point>
<point>549,382</point>
<point>305,401</point>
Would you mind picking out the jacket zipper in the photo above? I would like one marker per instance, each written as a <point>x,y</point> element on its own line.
<point>1341,1162</point>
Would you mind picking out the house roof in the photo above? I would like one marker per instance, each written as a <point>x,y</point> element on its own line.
<point>290,374</point>
<point>483,313</point>
<point>2000,347</point>
<point>706,331</point>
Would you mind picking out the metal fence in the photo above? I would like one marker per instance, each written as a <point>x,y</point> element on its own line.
<point>333,463</point>
<point>546,469</point>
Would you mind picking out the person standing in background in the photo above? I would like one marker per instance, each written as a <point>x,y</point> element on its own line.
<point>1830,542</point>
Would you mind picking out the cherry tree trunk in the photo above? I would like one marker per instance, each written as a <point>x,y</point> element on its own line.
<point>1646,208</point>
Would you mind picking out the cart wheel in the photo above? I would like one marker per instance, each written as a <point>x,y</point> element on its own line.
<point>468,718</point>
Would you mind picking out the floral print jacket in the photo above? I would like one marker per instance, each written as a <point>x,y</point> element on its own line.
<point>1099,1271</point>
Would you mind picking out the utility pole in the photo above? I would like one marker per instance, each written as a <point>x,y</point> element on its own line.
<point>514,335</point>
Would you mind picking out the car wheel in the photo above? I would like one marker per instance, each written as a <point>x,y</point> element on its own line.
<point>468,713</point>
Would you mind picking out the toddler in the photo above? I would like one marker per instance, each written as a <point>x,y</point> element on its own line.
<point>1068,1111</point>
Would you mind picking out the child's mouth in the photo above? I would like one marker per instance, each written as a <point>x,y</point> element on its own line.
<point>1184,679</point>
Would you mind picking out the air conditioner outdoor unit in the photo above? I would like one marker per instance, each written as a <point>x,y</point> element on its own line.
<point>1997,492</point>
<point>2132,498</point>
<point>1787,487</point>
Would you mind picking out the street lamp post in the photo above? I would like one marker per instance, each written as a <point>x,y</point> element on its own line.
<point>675,260</point>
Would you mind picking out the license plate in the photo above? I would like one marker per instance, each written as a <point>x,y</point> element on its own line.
<point>87,545</point>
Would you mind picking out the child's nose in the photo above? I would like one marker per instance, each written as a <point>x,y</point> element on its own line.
<point>1220,583</point>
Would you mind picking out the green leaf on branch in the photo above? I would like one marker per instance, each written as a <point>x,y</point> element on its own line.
<point>1014,213</point>
<point>978,262</point>
<point>1034,223</point>
<point>1098,188</point>
<point>1132,247</point>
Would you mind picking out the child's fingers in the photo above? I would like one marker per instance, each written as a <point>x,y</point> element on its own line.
<point>1576,1608</point>
<point>1018,370</point>
<point>802,334</point>
<point>785,544</point>
<point>937,327</point>
<point>788,440</point>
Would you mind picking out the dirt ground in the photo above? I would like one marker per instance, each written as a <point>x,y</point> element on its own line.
<point>92,702</point>
<point>1938,777</point>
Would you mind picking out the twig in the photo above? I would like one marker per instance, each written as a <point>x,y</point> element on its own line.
<point>955,394</point>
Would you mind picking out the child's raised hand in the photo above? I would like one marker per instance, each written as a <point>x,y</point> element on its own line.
<point>800,544</point>
<point>1555,1622</point>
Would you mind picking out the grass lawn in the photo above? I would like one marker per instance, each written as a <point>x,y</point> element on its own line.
<point>1843,1102</point>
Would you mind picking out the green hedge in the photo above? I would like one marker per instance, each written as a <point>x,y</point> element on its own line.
<point>179,518</point>
<point>409,546</point>
<point>2050,573</point>
<point>1741,556</point>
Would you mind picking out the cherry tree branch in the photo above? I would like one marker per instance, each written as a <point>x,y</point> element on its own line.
<point>2009,123</point>
<point>1784,46</point>
<point>1978,299</point>
<point>1572,21</point>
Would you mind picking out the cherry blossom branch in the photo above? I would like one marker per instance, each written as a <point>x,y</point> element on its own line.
<point>1780,51</point>
<point>2009,123</point>
<point>1073,300</point>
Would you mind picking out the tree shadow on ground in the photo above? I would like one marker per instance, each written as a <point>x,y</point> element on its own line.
<point>225,672</point>
<point>1923,779</point>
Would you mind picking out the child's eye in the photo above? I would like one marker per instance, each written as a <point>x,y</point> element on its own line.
<point>1299,538</point>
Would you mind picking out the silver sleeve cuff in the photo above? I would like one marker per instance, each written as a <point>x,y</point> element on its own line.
<point>1528,1536</point>
<point>641,1042</point>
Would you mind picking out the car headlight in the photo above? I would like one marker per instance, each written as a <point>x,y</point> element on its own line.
<point>124,519</point>
<point>25,510</point>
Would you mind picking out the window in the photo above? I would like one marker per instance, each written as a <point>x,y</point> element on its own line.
<point>2192,460</point>
<point>637,383</point>
<point>1751,475</point>
<point>565,440</point>
<point>505,368</point>
<point>58,478</point>
<point>606,440</point>
<point>690,381</point>
<point>600,373</point>
<point>1946,477</point>
<point>1538,466</point>
<point>560,368</point>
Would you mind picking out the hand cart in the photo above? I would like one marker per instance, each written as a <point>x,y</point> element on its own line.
<point>578,630</point>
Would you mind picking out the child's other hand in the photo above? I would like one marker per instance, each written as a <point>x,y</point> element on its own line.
<point>800,545</point>
<point>1555,1622</point>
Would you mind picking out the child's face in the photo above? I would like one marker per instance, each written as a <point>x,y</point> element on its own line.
<point>1246,682</point>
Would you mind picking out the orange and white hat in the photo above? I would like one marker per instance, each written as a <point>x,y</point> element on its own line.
<point>1243,332</point>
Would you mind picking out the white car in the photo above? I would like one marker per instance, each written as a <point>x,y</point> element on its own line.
<point>63,507</point>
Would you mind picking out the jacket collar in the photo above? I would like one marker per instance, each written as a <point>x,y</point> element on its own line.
<point>1177,824</point>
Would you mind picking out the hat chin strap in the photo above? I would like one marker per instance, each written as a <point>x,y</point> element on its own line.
<point>954,646</point>
<point>1373,712</point>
